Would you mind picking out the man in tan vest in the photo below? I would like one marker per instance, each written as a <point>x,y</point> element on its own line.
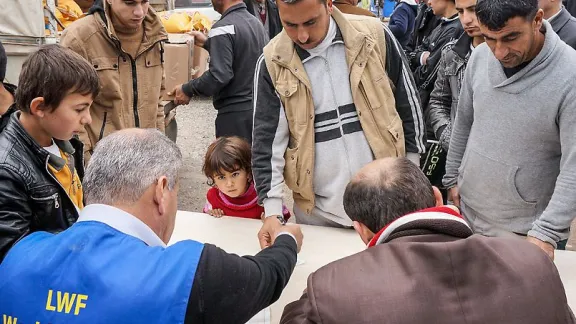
<point>332,93</point>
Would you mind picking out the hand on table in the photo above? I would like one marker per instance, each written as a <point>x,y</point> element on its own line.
<point>218,213</point>
<point>271,227</point>
<point>545,246</point>
<point>180,98</point>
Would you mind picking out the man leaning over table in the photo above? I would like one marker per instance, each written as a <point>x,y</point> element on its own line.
<point>424,265</point>
<point>113,264</point>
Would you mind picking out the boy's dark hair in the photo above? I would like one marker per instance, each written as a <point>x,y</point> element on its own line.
<point>400,189</point>
<point>228,154</point>
<point>3,63</point>
<point>494,14</point>
<point>53,72</point>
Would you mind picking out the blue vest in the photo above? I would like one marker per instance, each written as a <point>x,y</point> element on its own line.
<point>92,273</point>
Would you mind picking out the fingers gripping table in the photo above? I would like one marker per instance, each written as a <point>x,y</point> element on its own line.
<point>321,246</point>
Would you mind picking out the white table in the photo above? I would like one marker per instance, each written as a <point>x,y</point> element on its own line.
<point>321,246</point>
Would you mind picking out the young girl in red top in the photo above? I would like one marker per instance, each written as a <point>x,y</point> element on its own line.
<point>227,166</point>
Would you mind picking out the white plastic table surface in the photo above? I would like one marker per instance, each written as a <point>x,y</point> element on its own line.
<point>321,246</point>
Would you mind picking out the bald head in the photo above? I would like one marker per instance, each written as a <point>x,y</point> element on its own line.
<point>385,190</point>
<point>125,163</point>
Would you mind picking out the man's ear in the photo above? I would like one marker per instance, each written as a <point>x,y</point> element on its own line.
<point>37,107</point>
<point>438,197</point>
<point>538,19</point>
<point>160,191</point>
<point>365,234</point>
<point>329,5</point>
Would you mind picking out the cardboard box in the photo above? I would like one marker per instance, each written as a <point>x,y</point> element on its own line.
<point>178,64</point>
<point>200,62</point>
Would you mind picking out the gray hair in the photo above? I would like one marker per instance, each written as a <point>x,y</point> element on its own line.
<point>127,162</point>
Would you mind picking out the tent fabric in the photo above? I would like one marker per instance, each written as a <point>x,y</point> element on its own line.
<point>22,18</point>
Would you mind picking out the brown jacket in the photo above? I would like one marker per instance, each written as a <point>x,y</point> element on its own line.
<point>130,87</point>
<point>353,10</point>
<point>371,91</point>
<point>425,271</point>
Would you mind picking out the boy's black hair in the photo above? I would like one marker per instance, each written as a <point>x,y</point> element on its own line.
<point>494,14</point>
<point>53,72</point>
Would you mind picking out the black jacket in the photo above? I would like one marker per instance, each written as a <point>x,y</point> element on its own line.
<point>31,199</point>
<point>231,289</point>
<point>425,23</point>
<point>425,75</point>
<point>444,98</point>
<point>274,24</point>
<point>565,26</point>
<point>570,6</point>
<point>235,42</point>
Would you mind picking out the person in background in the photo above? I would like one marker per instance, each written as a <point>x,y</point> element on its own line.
<point>423,264</point>
<point>122,39</point>
<point>425,23</point>
<point>116,261</point>
<point>227,165</point>
<point>444,97</point>
<point>267,12</point>
<point>402,21</point>
<point>513,175</point>
<point>234,43</point>
<point>41,165</point>
<point>561,20</point>
<point>570,6</point>
<point>7,90</point>
<point>351,7</point>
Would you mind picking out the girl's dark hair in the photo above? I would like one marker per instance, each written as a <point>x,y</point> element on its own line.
<point>228,154</point>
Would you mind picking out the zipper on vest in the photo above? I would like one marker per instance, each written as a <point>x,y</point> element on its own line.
<point>103,126</point>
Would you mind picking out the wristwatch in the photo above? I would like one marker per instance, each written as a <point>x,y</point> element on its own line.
<point>281,219</point>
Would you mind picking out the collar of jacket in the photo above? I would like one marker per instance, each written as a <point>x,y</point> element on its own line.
<point>285,53</point>
<point>560,20</point>
<point>462,46</point>
<point>15,128</point>
<point>234,8</point>
<point>437,220</point>
<point>154,31</point>
<point>304,54</point>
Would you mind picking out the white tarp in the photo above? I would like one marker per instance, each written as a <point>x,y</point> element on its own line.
<point>22,18</point>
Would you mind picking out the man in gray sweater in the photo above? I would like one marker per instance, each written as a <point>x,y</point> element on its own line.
<point>512,160</point>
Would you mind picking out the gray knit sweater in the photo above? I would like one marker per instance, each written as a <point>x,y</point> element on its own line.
<point>513,147</point>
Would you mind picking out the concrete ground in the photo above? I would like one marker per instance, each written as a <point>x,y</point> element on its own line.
<point>195,133</point>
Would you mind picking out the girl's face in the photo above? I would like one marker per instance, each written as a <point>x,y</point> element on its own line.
<point>232,184</point>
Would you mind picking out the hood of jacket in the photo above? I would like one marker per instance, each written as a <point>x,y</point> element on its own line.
<point>437,220</point>
<point>409,2</point>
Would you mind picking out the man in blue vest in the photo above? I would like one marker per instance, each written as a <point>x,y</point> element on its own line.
<point>113,265</point>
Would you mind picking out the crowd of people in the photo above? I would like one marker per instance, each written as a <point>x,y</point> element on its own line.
<point>444,139</point>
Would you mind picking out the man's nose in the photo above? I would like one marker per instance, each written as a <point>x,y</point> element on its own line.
<point>500,51</point>
<point>138,11</point>
<point>303,35</point>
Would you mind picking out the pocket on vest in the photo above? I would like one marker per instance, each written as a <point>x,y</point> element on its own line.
<point>291,168</point>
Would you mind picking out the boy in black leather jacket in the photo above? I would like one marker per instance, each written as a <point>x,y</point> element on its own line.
<point>41,162</point>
